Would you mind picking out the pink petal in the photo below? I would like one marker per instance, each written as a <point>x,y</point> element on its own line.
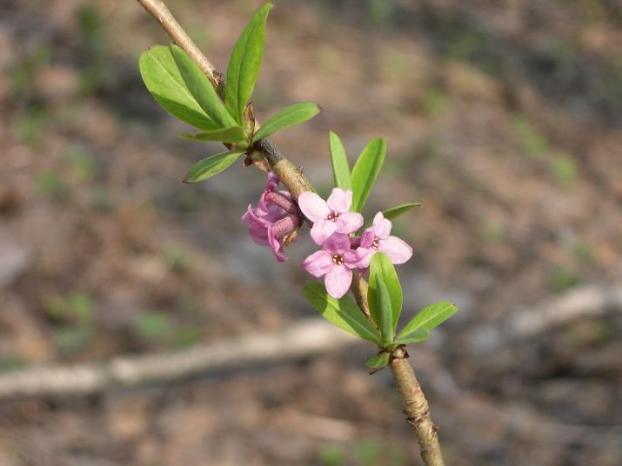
<point>259,234</point>
<point>338,281</point>
<point>318,264</point>
<point>276,246</point>
<point>339,200</point>
<point>273,182</point>
<point>397,250</point>
<point>313,206</point>
<point>321,230</point>
<point>351,259</point>
<point>382,226</point>
<point>367,238</point>
<point>349,222</point>
<point>362,258</point>
<point>337,243</point>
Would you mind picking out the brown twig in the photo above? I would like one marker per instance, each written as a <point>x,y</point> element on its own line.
<point>295,181</point>
<point>159,10</point>
<point>312,336</point>
<point>416,408</point>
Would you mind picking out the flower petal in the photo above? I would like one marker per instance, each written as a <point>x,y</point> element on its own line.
<point>339,200</point>
<point>276,246</point>
<point>273,182</point>
<point>398,250</point>
<point>351,259</point>
<point>318,264</point>
<point>361,259</point>
<point>381,226</point>
<point>313,206</point>
<point>338,281</point>
<point>367,238</point>
<point>349,222</point>
<point>337,243</point>
<point>321,230</point>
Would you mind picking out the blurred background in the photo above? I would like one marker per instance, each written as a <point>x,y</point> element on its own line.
<point>504,120</point>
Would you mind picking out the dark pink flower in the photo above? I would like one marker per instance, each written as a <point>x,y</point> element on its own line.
<point>330,216</point>
<point>275,218</point>
<point>335,262</point>
<point>378,238</point>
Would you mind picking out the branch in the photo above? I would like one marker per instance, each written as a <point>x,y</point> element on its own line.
<point>159,10</point>
<point>416,408</point>
<point>313,336</point>
<point>293,178</point>
<point>521,324</point>
<point>289,174</point>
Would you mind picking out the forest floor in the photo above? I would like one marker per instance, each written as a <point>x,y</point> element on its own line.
<point>504,120</point>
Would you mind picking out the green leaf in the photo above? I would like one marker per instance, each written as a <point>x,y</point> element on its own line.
<point>381,269</point>
<point>245,62</point>
<point>416,336</point>
<point>383,308</point>
<point>234,134</point>
<point>287,117</point>
<point>365,172</point>
<point>429,317</point>
<point>202,89</point>
<point>339,160</point>
<point>343,313</point>
<point>378,362</point>
<point>165,83</point>
<point>211,166</point>
<point>399,210</point>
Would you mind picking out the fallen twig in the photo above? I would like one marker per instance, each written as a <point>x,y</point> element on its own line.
<point>312,336</point>
<point>521,324</point>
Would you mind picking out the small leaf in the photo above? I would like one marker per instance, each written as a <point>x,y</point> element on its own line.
<point>163,80</point>
<point>429,317</point>
<point>343,313</point>
<point>287,117</point>
<point>245,62</point>
<point>383,308</point>
<point>378,362</point>
<point>339,160</point>
<point>382,270</point>
<point>202,89</point>
<point>230,135</point>
<point>416,336</point>
<point>211,166</point>
<point>366,171</point>
<point>399,210</point>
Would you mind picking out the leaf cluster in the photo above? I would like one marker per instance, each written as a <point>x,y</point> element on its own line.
<point>182,89</point>
<point>385,300</point>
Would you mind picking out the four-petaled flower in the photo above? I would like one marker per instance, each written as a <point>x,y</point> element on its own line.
<point>335,262</point>
<point>274,220</point>
<point>378,238</point>
<point>330,216</point>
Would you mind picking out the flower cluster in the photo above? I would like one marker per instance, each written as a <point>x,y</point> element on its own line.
<point>341,253</point>
<point>275,219</point>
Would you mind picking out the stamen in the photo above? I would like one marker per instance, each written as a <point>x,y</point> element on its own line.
<point>375,243</point>
<point>337,259</point>
<point>332,216</point>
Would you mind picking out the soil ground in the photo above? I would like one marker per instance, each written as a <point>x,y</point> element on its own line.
<point>504,120</point>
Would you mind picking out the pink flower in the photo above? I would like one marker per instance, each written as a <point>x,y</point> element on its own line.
<point>274,220</point>
<point>335,262</point>
<point>377,238</point>
<point>330,216</point>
